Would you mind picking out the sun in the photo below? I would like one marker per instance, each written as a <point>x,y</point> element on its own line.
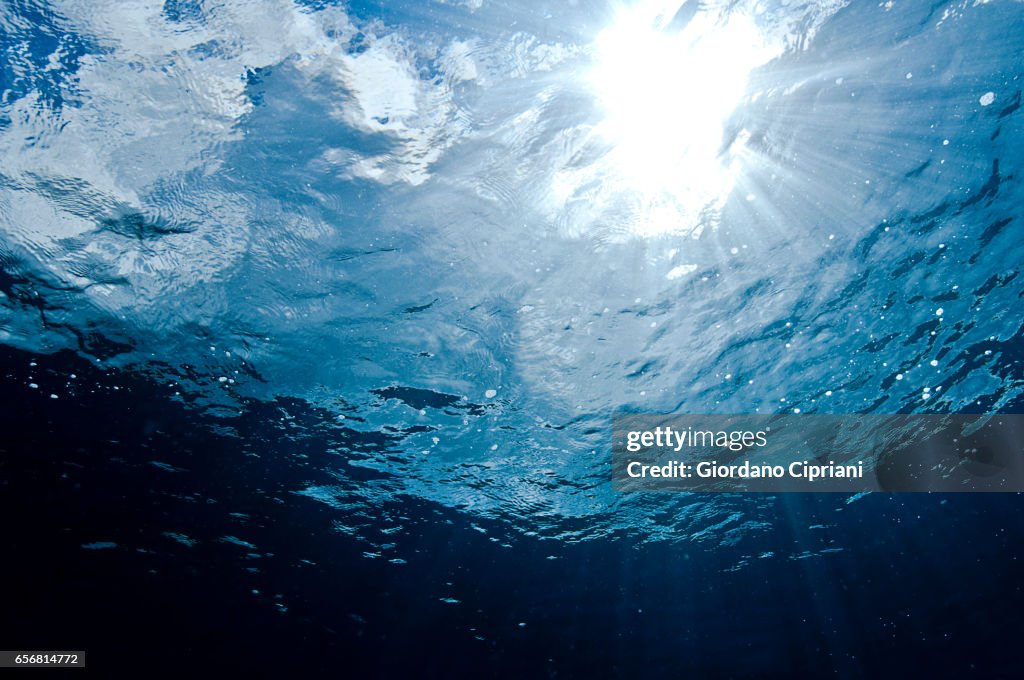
<point>666,93</point>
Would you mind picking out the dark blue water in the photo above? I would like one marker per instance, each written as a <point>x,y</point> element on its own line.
<point>143,563</point>
<point>313,317</point>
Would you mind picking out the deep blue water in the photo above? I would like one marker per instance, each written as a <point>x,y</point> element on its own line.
<point>314,316</point>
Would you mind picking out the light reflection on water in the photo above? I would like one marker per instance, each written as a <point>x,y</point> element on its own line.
<point>318,203</point>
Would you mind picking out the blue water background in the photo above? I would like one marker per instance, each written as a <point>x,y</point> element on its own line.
<point>307,263</point>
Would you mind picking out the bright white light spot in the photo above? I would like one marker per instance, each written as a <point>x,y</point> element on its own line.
<point>679,271</point>
<point>666,95</point>
<point>987,98</point>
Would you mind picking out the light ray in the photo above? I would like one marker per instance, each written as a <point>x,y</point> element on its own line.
<point>666,94</point>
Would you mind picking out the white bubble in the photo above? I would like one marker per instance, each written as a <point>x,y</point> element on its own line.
<point>934,362</point>
<point>939,311</point>
<point>987,98</point>
<point>490,394</point>
<point>899,376</point>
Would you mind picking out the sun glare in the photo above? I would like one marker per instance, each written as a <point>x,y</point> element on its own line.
<point>666,93</point>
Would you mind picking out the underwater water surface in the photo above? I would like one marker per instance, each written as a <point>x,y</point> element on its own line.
<point>315,314</point>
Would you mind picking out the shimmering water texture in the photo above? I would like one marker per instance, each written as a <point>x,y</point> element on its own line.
<point>314,316</point>
<point>445,241</point>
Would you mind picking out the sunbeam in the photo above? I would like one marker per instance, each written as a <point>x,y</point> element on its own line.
<point>666,92</point>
